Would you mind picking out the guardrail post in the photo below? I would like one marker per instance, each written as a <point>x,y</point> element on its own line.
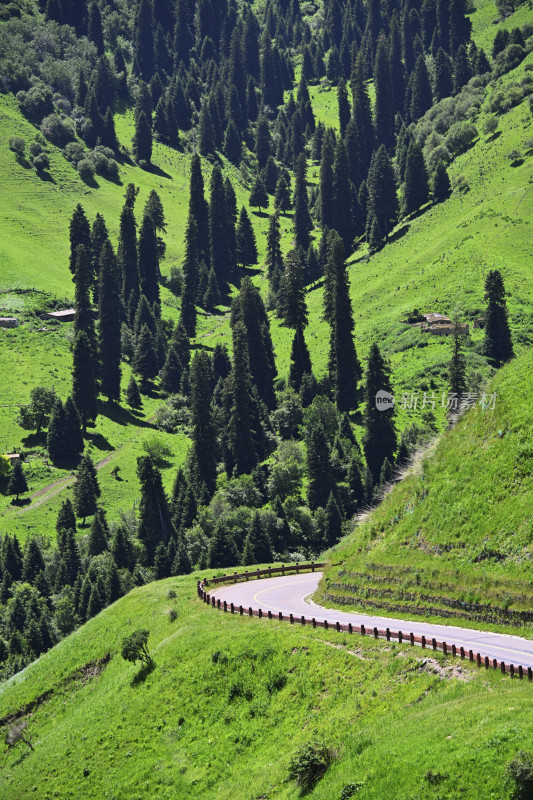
<point>400,637</point>
<point>478,659</point>
<point>325,624</point>
<point>269,614</point>
<point>462,652</point>
<point>487,662</point>
<point>502,666</point>
<point>434,643</point>
<point>350,628</point>
<point>362,630</point>
<point>245,574</point>
<point>260,614</point>
<point>338,626</point>
<point>387,634</point>
<point>520,671</point>
<point>241,610</point>
<point>412,639</point>
<point>291,619</point>
<point>232,608</point>
<point>529,674</point>
<point>218,602</point>
<point>511,670</point>
<point>283,569</point>
<point>303,620</point>
<point>213,602</point>
<point>312,566</point>
<point>454,650</point>
<point>494,663</point>
<point>250,611</point>
<point>225,606</point>
<point>280,616</point>
<point>471,655</point>
<point>445,648</point>
<point>313,622</point>
<point>375,632</point>
<point>423,642</point>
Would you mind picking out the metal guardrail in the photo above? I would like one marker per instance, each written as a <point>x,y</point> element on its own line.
<point>377,633</point>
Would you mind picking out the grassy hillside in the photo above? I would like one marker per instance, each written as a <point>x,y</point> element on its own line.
<point>459,526</point>
<point>231,701</point>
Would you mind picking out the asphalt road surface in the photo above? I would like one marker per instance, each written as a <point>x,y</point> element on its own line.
<point>290,595</point>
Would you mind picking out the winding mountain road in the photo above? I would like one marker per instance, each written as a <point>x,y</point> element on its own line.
<point>290,595</point>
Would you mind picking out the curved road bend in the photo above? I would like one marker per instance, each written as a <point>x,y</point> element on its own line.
<point>289,594</point>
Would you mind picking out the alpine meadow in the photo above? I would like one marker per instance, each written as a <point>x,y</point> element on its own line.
<point>266,369</point>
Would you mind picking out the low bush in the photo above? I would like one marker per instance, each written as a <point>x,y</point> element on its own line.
<point>60,131</point>
<point>520,776</point>
<point>309,764</point>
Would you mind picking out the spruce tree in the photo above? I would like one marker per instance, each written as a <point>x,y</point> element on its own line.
<point>498,345</point>
<point>362,115</point>
<point>379,440</point>
<point>203,459</point>
<point>154,517</point>
<point>442,82</point>
<point>421,97</point>
<point>84,383</point>
<point>462,71</point>
<point>99,235</point>
<point>222,549</point>
<point>416,187</point>
<point>142,142</point>
<point>249,309</point>
<point>84,317</point>
<point>127,256</point>
<point>258,195</point>
<point>149,260</point>
<point>232,144</point>
<point>70,561</point>
<point>327,194</point>
<point>143,40</point>
<point>99,534</point>
<point>33,561</point>
<point>220,235</point>
<point>343,193</point>
<point>343,103</point>
<point>145,359</point>
<point>246,245</point>
<point>319,472</point>
<point>440,185</point>
<point>171,372</point>
<point>133,395</point>
<point>292,304</point>
<point>190,278</point>
<point>300,360</point>
<point>199,210</point>
<point>181,565</point>
<point>17,481</point>
<point>66,519</point>
<point>382,197</point>
<point>333,522</point>
<point>80,233</point>
<point>206,133</point>
<point>282,196</point>
<point>263,142</point>
<point>109,325</point>
<point>85,490</point>
<point>211,297</point>
<point>457,366</point>
<point>344,365</point>
<point>302,218</point>
<point>383,106</point>
<point>274,258</point>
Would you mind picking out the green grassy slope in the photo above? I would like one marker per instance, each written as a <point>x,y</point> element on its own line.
<point>459,526</point>
<point>201,726</point>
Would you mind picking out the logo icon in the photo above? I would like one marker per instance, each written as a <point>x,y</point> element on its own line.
<point>384,400</point>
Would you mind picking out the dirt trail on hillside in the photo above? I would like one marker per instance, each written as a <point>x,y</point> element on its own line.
<point>53,489</point>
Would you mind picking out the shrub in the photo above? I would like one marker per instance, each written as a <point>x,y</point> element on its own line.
<point>520,776</point>
<point>36,102</point>
<point>58,131</point>
<point>74,152</point>
<point>17,145</point>
<point>490,126</point>
<point>175,281</point>
<point>35,149</point>
<point>172,614</point>
<point>171,594</point>
<point>173,415</point>
<point>41,162</point>
<point>135,648</point>
<point>86,170</point>
<point>309,764</point>
<point>156,449</point>
<point>460,137</point>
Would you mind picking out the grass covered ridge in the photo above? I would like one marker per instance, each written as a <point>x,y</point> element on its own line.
<point>231,700</point>
<point>459,526</point>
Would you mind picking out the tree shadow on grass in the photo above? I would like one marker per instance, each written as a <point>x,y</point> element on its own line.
<point>122,416</point>
<point>263,214</point>
<point>45,176</point>
<point>21,502</point>
<point>35,440</point>
<point>400,233</point>
<point>99,441</point>
<point>142,674</point>
<point>23,756</point>
<point>153,169</point>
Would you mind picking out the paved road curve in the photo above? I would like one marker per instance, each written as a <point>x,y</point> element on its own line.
<point>289,594</point>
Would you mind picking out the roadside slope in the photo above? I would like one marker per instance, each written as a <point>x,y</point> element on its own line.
<point>232,699</point>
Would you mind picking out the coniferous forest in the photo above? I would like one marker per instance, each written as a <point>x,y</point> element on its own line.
<point>279,463</point>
